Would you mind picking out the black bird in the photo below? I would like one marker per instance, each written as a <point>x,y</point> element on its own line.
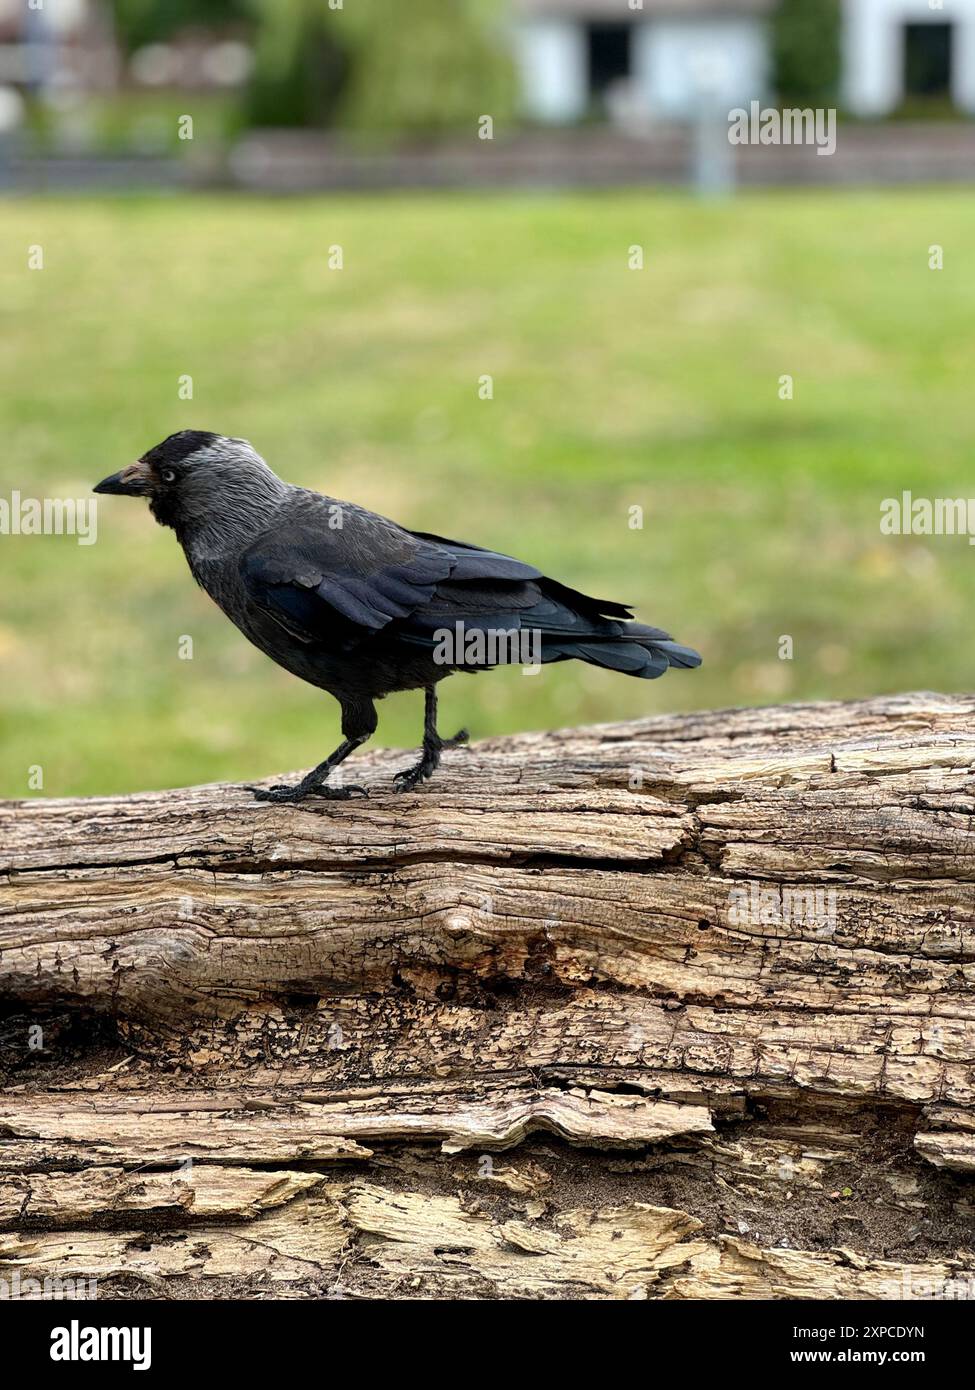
<point>360,607</point>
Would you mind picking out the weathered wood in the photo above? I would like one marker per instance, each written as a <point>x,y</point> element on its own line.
<point>641,1002</point>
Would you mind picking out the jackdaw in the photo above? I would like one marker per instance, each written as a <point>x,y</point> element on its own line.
<point>359,606</point>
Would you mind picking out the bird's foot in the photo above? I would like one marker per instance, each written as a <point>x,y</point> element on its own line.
<point>411,777</point>
<point>283,793</point>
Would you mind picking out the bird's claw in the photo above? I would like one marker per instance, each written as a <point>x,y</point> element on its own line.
<point>411,777</point>
<point>283,793</point>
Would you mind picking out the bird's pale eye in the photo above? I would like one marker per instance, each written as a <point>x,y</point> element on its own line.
<point>168,475</point>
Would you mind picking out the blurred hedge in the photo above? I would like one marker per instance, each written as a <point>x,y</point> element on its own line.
<point>427,68</point>
<point>806,51</point>
<point>301,62</point>
<point>379,67</point>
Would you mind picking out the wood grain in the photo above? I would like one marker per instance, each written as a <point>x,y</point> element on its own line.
<point>639,1001</point>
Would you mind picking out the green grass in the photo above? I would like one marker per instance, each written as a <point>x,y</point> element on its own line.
<point>613,388</point>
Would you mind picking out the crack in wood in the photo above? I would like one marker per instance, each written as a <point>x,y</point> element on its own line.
<point>399,1047</point>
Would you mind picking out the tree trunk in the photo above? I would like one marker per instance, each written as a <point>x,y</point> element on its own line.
<point>680,1008</point>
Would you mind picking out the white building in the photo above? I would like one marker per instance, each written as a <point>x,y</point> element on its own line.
<point>659,59</point>
<point>894,50</point>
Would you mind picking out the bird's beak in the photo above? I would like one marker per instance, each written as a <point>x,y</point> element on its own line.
<point>132,481</point>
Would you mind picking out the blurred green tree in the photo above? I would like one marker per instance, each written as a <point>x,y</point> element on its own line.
<point>139,22</point>
<point>300,63</point>
<point>806,50</point>
<point>426,68</point>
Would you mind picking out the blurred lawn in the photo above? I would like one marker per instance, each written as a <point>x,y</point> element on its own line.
<point>613,388</point>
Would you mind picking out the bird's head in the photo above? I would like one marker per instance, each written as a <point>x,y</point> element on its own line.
<point>195,478</point>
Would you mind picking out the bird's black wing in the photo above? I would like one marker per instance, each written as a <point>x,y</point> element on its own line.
<point>336,572</point>
<point>475,564</point>
<point>485,591</point>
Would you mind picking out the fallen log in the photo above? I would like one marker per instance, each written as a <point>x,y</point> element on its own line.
<point>678,1008</point>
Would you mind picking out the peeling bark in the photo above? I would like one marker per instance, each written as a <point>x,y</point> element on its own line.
<point>611,1012</point>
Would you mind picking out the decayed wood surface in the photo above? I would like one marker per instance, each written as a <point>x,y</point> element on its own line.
<point>548,1027</point>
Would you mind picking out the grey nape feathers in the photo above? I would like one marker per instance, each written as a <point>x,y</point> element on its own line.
<point>359,606</point>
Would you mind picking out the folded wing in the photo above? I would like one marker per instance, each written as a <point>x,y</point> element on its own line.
<point>339,575</point>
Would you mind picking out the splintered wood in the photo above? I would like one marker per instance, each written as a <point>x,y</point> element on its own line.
<point>680,1008</point>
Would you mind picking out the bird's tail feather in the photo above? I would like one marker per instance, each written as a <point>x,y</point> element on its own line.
<point>686,658</point>
<point>640,651</point>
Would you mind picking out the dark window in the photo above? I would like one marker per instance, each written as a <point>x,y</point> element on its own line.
<point>927,60</point>
<point>609,55</point>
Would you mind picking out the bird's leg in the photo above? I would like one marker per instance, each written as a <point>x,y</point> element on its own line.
<point>314,783</point>
<point>358,725</point>
<point>433,745</point>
